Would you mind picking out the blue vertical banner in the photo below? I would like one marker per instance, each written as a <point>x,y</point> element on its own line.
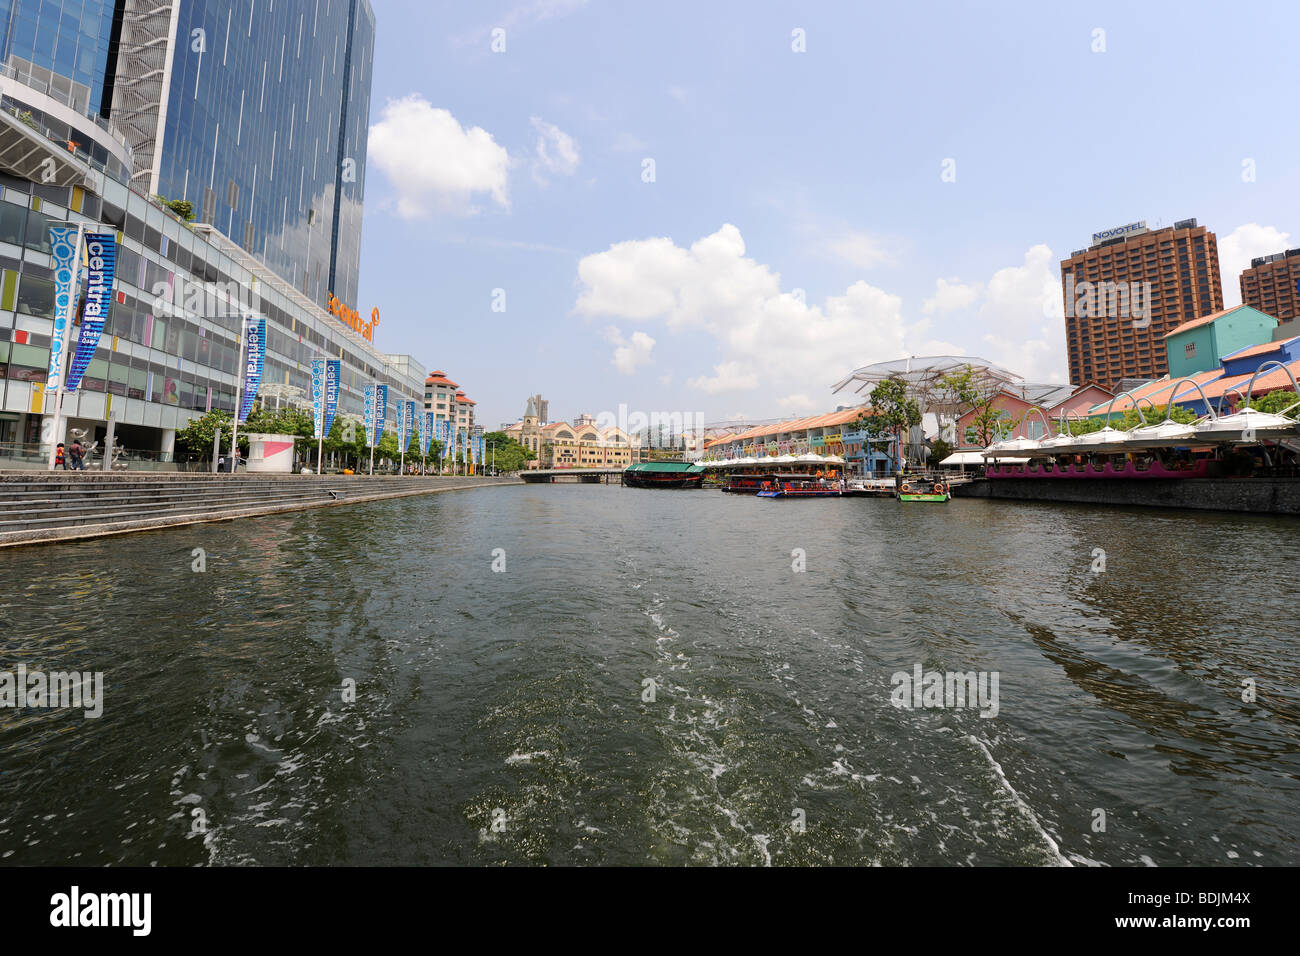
<point>254,360</point>
<point>368,414</point>
<point>333,369</point>
<point>401,425</point>
<point>412,414</point>
<point>426,433</point>
<point>63,249</point>
<point>317,398</point>
<point>381,410</point>
<point>101,264</point>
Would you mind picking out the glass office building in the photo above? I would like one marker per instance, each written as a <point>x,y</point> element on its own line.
<point>59,44</point>
<point>265,131</point>
<point>255,107</point>
<point>165,356</point>
<point>254,111</point>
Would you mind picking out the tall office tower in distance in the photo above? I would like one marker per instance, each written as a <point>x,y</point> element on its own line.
<point>256,112</point>
<point>1272,285</point>
<point>1130,287</point>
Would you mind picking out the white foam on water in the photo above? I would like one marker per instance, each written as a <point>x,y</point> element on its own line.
<point>521,757</point>
<point>1025,810</point>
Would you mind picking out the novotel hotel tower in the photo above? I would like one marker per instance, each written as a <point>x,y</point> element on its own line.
<point>1129,288</point>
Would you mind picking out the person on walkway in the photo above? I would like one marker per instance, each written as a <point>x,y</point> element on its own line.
<point>77,454</point>
<point>61,457</point>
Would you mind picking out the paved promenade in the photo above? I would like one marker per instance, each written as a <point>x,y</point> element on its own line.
<point>43,507</point>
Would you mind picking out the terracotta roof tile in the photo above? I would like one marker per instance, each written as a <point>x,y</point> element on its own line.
<point>1203,320</point>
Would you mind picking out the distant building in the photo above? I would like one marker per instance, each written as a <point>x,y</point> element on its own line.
<point>561,445</point>
<point>1198,345</point>
<point>834,434</point>
<point>464,411</point>
<point>1225,383</point>
<point>440,396</point>
<point>1127,290</point>
<point>1270,285</point>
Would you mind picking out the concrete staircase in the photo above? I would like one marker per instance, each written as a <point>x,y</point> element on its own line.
<point>43,506</point>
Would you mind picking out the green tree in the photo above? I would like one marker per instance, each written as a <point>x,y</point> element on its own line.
<point>195,440</point>
<point>939,450</point>
<point>892,411</point>
<point>1278,402</point>
<point>509,455</point>
<point>182,207</point>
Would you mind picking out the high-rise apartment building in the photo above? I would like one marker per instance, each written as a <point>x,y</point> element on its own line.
<point>1270,285</point>
<point>1129,288</point>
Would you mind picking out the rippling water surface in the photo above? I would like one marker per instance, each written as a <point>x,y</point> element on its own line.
<point>499,717</point>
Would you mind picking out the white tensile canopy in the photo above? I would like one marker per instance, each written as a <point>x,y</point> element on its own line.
<point>964,458</point>
<point>1106,440</point>
<point>1010,445</point>
<point>1166,434</point>
<point>1247,427</point>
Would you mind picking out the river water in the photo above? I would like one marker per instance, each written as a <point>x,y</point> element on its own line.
<point>649,680</point>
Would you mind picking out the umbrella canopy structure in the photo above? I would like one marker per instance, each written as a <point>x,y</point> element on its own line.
<point>1010,446</point>
<point>1106,440</point>
<point>1166,434</point>
<point>922,374</point>
<point>1247,427</point>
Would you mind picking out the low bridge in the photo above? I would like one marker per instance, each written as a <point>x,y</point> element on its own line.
<point>608,475</point>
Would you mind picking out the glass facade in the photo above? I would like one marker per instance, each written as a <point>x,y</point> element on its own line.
<point>59,45</point>
<point>265,131</point>
<point>165,356</point>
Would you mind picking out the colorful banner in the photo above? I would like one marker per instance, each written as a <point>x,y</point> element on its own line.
<point>317,398</point>
<point>63,242</point>
<point>426,433</point>
<point>368,414</point>
<point>333,370</point>
<point>101,264</point>
<point>381,410</point>
<point>254,360</point>
<point>404,439</point>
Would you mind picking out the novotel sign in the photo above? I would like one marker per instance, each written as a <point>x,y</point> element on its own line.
<point>1132,229</point>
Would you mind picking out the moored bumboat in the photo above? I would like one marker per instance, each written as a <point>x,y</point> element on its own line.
<point>663,474</point>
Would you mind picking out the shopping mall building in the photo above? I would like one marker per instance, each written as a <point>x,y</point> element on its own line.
<point>269,151</point>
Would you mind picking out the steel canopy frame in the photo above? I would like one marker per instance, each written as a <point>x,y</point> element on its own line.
<point>922,374</point>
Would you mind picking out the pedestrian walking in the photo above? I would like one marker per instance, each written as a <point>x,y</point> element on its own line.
<point>61,457</point>
<point>77,454</point>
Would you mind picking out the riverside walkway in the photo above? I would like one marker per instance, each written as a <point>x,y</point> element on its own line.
<point>41,507</point>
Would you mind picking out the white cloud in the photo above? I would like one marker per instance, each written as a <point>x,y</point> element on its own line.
<point>860,249</point>
<point>1238,247</point>
<point>951,295</point>
<point>630,354</point>
<point>770,340</point>
<point>727,377</point>
<point>1022,304</point>
<point>556,151</point>
<point>433,162</point>
<point>678,93</point>
<point>765,336</point>
<point>799,402</point>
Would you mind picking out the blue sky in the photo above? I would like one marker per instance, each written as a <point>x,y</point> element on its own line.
<point>799,222</point>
